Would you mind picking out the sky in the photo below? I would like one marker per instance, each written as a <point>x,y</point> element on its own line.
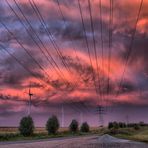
<point>75,55</point>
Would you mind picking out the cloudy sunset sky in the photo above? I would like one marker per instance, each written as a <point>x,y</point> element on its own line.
<point>74,53</point>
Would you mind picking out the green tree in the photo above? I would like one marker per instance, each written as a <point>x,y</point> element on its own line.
<point>26,126</point>
<point>110,125</point>
<point>52,125</point>
<point>136,127</point>
<point>115,125</point>
<point>141,123</point>
<point>74,126</point>
<point>121,124</point>
<point>84,127</point>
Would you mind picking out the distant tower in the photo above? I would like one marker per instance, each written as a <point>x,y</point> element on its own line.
<point>81,117</point>
<point>30,97</point>
<point>100,112</point>
<point>63,116</point>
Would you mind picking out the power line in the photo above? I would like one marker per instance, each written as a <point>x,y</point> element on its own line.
<point>38,37</point>
<point>87,44</point>
<point>94,43</point>
<point>130,47</point>
<point>26,50</point>
<point>73,44</point>
<point>50,35</point>
<point>95,50</point>
<point>57,69</point>
<point>110,43</point>
<point>102,43</point>
<point>64,20</point>
<point>20,63</point>
<point>42,19</point>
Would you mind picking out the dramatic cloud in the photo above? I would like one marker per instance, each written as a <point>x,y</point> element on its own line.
<point>44,43</point>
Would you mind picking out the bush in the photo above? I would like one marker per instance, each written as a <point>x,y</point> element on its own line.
<point>8,136</point>
<point>113,131</point>
<point>115,125</point>
<point>84,127</point>
<point>110,125</point>
<point>26,126</point>
<point>73,126</point>
<point>136,127</point>
<point>122,124</point>
<point>52,125</point>
<point>141,123</point>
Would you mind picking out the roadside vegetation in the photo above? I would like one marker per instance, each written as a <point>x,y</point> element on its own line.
<point>131,131</point>
<point>26,127</point>
<point>28,131</point>
<point>52,125</point>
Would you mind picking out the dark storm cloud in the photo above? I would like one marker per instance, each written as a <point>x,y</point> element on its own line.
<point>140,49</point>
<point>69,31</point>
<point>12,74</point>
<point>127,87</point>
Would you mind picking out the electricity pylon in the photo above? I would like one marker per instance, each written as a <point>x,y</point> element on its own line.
<point>100,111</point>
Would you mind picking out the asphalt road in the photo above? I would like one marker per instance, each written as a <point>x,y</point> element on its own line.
<point>105,141</point>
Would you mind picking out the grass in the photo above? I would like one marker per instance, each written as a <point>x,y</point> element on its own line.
<point>12,134</point>
<point>140,134</point>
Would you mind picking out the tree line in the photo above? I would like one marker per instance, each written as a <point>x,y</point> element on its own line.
<point>26,126</point>
<point>117,125</point>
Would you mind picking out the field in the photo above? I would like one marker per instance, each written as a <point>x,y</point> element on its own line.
<point>4,130</point>
<point>12,133</point>
<point>140,134</point>
<point>15,130</point>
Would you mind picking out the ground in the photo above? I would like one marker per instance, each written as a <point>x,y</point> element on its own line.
<point>104,141</point>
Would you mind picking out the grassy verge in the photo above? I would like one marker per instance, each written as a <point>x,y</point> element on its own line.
<point>43,135</point>
<point>140,134</point>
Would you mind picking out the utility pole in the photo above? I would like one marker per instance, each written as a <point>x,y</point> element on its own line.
<point>30,97</point>
<point>63,116</point>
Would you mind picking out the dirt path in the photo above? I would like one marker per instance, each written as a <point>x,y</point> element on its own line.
<point>104,141</point>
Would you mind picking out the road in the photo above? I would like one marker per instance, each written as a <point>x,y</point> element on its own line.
<point>105,141</point>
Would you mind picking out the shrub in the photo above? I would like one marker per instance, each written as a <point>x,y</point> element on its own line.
<point>52,125</point>
<point>115,125</point>
<point>110,125</point>
<point>136,127</point>
<point>113,131</point>
<point>84,127</point>
<point>8,136</point>
<point>73,126</point>
<point>26,126</point>
<point>141,123</point>
<point>122,124</point>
